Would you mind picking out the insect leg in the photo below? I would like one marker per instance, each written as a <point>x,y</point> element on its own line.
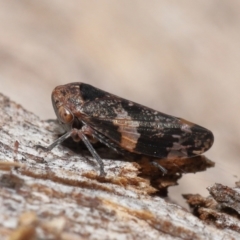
<point>92,151</point>
<point>54,144</point>
<point>81,135</point>
<point>164,170</point>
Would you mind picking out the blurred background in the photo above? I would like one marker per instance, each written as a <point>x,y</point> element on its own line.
<point>178,57</point>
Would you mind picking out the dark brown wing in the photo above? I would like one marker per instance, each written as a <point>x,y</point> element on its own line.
<point>139,129</point>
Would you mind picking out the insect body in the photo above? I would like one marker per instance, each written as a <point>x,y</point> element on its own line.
<point>90,114</point>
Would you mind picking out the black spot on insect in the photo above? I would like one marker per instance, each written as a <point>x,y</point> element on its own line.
<point>90,93</point>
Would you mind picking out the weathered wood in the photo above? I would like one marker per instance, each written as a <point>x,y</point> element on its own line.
<point>220,209</point>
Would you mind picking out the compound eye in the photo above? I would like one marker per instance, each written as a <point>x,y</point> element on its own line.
<point>65,116</point>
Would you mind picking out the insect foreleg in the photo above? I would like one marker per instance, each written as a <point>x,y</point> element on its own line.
<point>75,134</point>
<point>54,144</point>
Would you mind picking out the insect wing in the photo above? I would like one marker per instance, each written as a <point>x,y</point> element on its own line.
<point>142,130</point>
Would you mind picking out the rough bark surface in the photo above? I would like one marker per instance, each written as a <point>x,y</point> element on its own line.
<point>221,209</point>
<point>59,195</point>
